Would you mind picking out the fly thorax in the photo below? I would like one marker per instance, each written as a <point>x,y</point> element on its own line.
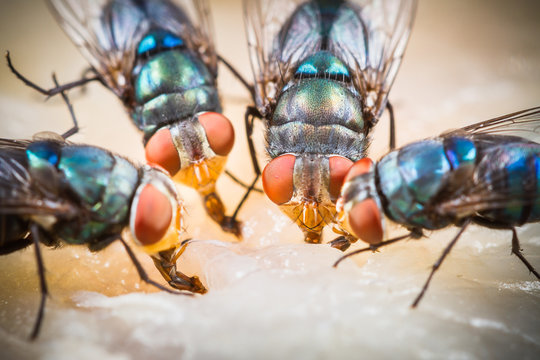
<point>318,112</point>
<point>310,206</point>
<point>200,165</point>
<point>170,82</point>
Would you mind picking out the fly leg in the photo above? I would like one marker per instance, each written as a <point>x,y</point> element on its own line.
<point>54,91</point>
<point>342,242</point>
<point>390,109</point>
<point>34,229</point>
<point>516,250</point>
<point>251,91</point>
<point>438,263</point>
<point>239,77</point>
<point>414,234</point>
<point>251,114</point>
<point>75,128</point>
<point>142,273</point>
<point>165,262</point>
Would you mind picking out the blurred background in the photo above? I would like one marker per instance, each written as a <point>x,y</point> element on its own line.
<point>271,295</point>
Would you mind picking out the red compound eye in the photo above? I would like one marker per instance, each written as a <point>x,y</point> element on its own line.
<point>277,178</point>
<point>219,132</point>
<point>339,166</point>
<point>160,150</point>
<point>364,217</point>
<point>153,216</point>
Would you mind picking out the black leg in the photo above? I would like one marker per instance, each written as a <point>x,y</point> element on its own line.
<point>392,125</point>
<point>240,182</point>
<point>374,247</point>
<point>34,229</point>
<point>439,262</point>
<point>142,273</point>
<point>238,76</point>
<point>49,92</point>
<point>516,250</point>
<point>251,114</point>
<point>75,128</point>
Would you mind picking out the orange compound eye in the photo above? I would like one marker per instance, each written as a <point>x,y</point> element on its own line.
<point>360,167</point>
<point>160,150</point>
<point>339,166</point>
<point>277,178</point>
<point>153,216</point>
<point>365,221</point>
<point>364,217</point>
<point>219,132</point>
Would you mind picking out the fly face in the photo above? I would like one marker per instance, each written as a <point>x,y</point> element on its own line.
<point>323,71</point>
<point>159,59</point>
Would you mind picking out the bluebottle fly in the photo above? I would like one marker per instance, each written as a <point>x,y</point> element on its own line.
<point>478,174</point>
<point>159,58</point>
<point>323,70</point>
<point>53,191</point>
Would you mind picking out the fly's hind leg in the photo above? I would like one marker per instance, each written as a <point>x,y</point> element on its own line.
<point>165,262</point>
<point>516,250</point>
<point>54,91</point>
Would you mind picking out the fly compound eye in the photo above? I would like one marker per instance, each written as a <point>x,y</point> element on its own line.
<point>277,178</point>
<point>339,166</point>
<point>160,150</point>
<point>364,217</point>
<point>219,132</point>
<point>153,216</point>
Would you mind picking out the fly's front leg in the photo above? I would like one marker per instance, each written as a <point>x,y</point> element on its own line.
<point>165,262</point>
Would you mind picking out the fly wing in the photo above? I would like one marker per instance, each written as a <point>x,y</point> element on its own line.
<point>370,36</point>
<point>19,193</point>
<point>505,176</point>
<point>525,123</point>
<point>108,32</point>
<point>277,41</point>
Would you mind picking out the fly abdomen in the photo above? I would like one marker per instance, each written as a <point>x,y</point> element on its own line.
<point>171,83</point>
<point>511,172</point>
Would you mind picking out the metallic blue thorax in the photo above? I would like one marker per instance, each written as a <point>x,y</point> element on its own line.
<point>419,182</point>
<point>103,184</point>
<point>171,83</point>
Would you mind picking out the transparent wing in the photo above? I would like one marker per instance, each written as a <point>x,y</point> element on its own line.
<point>371,37</point>
<point>107,32</point>
<point>272,65</point>
<point>524,123</point>
<point>19,193</point>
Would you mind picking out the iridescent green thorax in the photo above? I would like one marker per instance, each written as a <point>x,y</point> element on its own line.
<point>172,86</point>
<point>317,116</point>
<point>102,183</point>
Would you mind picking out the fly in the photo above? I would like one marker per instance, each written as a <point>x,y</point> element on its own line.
<point>159,59</point>
<point>53,191</point>
<point>323,70</point>
<point>476,174</point>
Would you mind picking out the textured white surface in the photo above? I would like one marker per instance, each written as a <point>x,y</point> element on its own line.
<point>272,296</point>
